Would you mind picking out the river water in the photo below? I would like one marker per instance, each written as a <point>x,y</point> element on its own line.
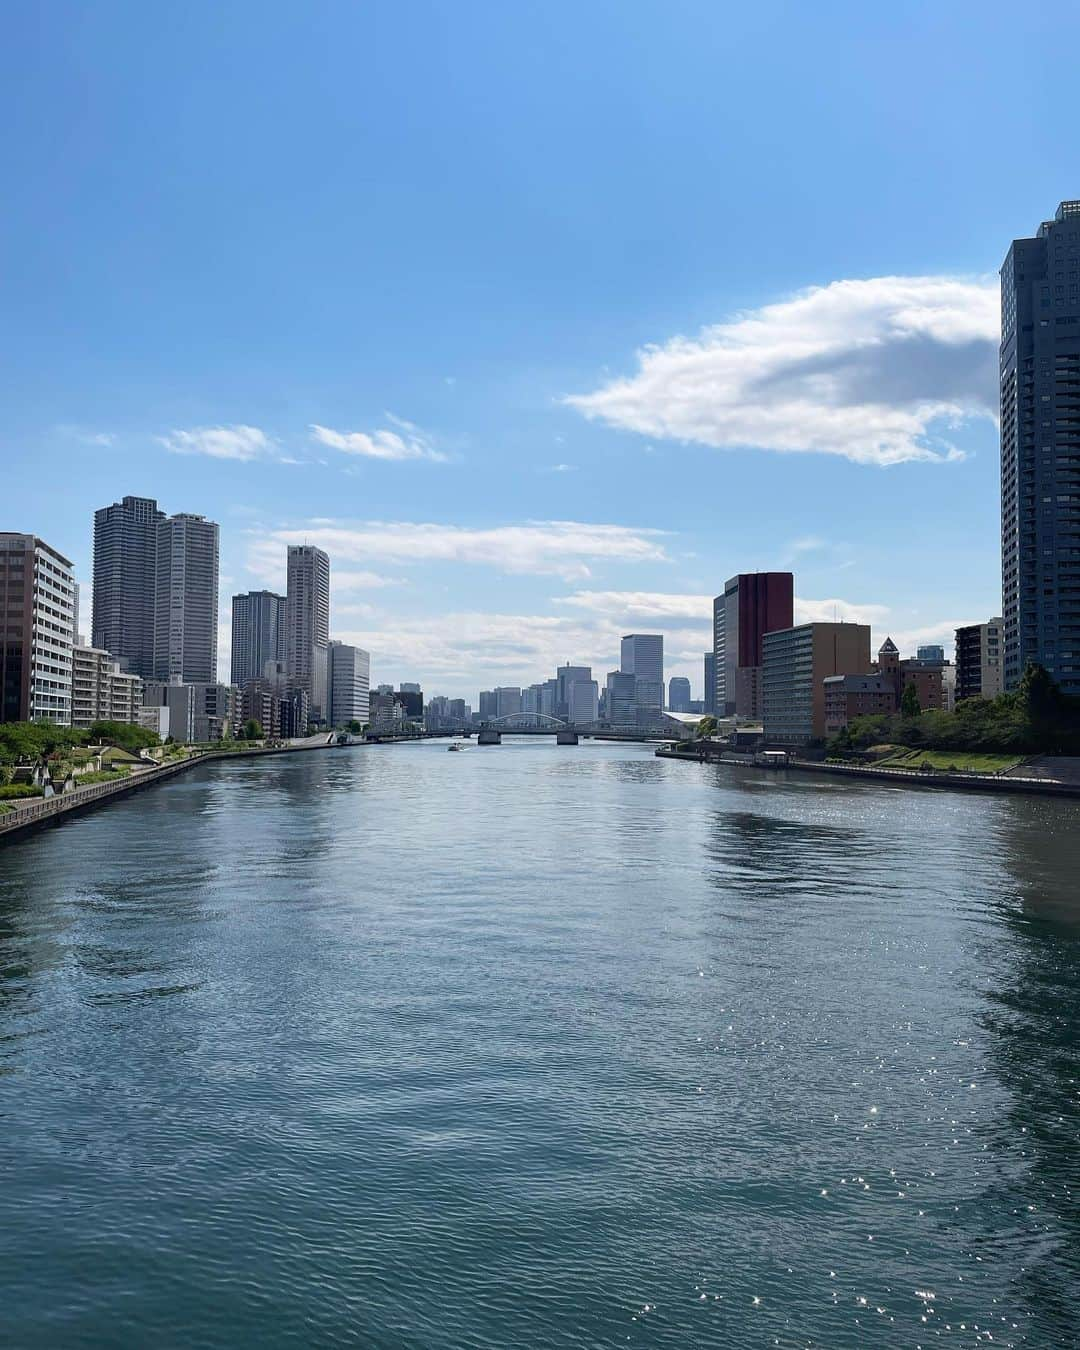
<point>540,1047</point>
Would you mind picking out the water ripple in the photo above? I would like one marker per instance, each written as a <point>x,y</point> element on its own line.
<point>540,1047</point>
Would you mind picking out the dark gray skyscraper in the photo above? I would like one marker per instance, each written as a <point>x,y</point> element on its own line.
<point>307,623</point>
<point>258,634</point>
<point>679,694</point>
<point>186,615</point>
<point>125,571</point>
<point>1040,450</point>
<point>155,590</point>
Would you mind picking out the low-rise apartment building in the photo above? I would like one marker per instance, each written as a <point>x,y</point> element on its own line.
<point>851,696</point>
<point>100,690</point>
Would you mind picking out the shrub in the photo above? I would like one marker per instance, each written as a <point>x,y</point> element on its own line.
<point>13,790</point>
<point>101,776</point>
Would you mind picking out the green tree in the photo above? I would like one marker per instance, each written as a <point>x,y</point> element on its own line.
<point>253,730</point>
<point>35,740</point>
<point>354,727</point>
<point>909,702</point>
<point>124,734</point>
<point>706,728</point>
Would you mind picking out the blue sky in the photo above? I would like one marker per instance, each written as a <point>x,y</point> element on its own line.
<point>545,319</point>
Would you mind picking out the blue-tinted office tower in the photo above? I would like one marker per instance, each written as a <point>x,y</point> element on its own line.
<point>1040,450</point>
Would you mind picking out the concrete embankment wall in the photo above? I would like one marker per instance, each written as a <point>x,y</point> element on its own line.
<point>964,782</point>
<point>53,810</point>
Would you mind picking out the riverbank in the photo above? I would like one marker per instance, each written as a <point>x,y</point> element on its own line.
<point>1013,783</point>
<point>40,812</point>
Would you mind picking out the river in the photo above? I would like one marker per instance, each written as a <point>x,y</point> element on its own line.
<point>548,1047</point>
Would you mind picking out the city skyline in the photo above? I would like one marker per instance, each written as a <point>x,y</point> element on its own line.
<point>602,625</point>
<point>576,407</point>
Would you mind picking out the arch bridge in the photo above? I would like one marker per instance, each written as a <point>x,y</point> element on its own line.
<point>526,724</point>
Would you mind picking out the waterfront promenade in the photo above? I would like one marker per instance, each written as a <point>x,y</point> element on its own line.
<point>1039,783</point>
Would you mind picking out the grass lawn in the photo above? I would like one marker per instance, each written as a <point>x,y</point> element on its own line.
<point>967,761</point>
<point>101,776</point>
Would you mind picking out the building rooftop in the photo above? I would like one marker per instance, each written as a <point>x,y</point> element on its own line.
<point>860,684</point>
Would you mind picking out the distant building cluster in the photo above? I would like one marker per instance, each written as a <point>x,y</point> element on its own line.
<point>152,658</point>
<point>631,699</point>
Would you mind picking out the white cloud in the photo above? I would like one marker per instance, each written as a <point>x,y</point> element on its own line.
<point>236,442</point>
<point>544,548</point>
<point>407,442</point>
<point>838,611</point>
<point>641,604</point>
<point>360,581</point>
<point>869,370</point>
<point>658,605</point>
<point>942,631</point>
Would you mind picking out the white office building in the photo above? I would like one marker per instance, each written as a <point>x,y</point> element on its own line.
<point>348,683</point>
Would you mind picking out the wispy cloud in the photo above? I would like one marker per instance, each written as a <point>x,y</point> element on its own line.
<point>360,581</point>
<point>236,442</point>
<point>870,370</point>
<point>405,442</point>
<point>560,548</point>
<point>808,543</point>
<point>98,439</point>
<point>640,605</point>
<point>836,610</point>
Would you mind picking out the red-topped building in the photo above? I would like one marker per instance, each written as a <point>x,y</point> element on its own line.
<point>753,604</point>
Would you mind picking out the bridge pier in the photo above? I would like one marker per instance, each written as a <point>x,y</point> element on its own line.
<point>566,736</point>
<point>488,736</point>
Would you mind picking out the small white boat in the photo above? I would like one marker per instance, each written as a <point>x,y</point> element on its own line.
<point>455,746</point>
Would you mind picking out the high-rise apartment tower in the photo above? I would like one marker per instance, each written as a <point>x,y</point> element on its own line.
<point>258,634</point>
<point>307,623</point>
<point>186,610</point>
<point>125,582</point>
<point>1040,450</point>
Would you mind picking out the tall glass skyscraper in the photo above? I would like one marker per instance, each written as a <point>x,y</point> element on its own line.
<point>642,655</point>
<point>258,634</point>
<point>125,582</point>
<point>1040,450</point>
